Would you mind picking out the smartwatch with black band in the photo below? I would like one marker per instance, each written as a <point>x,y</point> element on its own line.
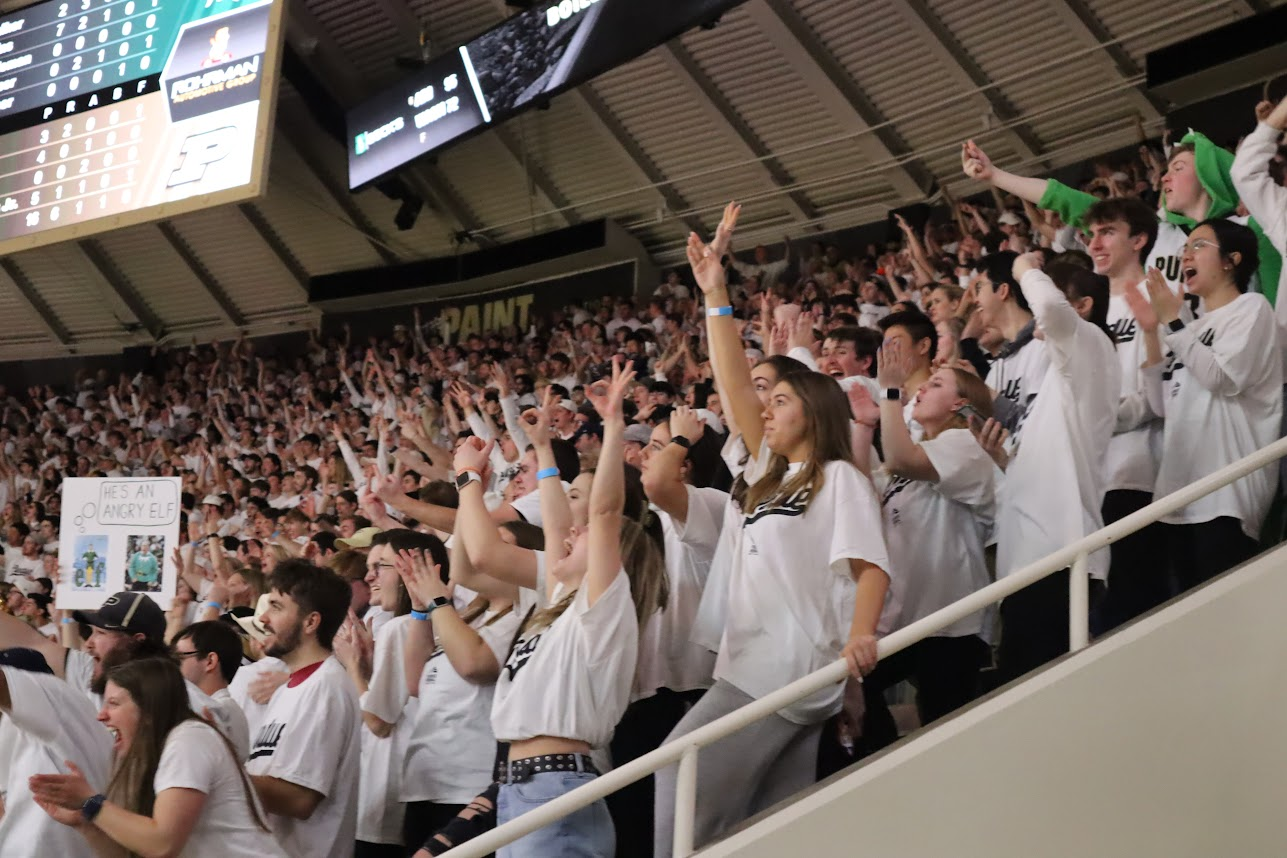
<point>92,806</point>
<point>893,394</point>
<point>681,441</point>
<point>1176,325</point>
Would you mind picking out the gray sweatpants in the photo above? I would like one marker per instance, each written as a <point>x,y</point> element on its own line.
<point>738,776</point>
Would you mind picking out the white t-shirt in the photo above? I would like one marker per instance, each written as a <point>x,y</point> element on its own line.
<point>1053,490</point>
<point>196,758</point>
<point>1018,376</point>
<point>51,722</point>
<point>310,737</point>
<point>791,594</point>
<point>1131,459</point>
<point>452,748</point>
<point>239,691</point>
<point>380,811</point>
<point>79,674</point>
<point>22,570</point>
<point>572,678</point>
<point>936,533</point>
<point>225,714</point>
<point>1222,394</point>
<point>668,658</point>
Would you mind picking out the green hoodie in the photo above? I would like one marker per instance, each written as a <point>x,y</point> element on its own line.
<point>1213,166</point>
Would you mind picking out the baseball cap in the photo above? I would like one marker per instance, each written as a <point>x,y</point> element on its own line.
<point>252,625</point>
<point>1009,219</point>
<point>568,404</point>
<point>212,500</point>
<point>134,613</point>
<point>639,433</point>
<point>22,658</point>
<point>361,539</point>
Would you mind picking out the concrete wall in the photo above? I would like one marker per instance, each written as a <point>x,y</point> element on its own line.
<point>1164,739</point>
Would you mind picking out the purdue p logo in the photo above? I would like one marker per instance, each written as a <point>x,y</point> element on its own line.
<point>199,151</point>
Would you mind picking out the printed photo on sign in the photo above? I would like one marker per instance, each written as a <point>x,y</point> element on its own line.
<point>145,557</point>
<point>89,562</point>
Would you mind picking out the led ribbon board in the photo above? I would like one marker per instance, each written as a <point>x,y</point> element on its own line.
<point>533,56</point>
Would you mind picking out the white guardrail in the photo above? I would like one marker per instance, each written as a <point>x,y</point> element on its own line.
<point>684,750</point>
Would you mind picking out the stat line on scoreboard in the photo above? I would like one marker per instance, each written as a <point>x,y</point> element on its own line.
<point>101,192</point>
<point>85,13</point>
<point>53,164</point>
<point>98,28</point>
<point>54,141</point>
<point>86,69</point>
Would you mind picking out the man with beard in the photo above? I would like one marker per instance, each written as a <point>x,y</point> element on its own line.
<point>304,758</point>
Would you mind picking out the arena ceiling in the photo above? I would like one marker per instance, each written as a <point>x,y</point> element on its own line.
<point>819,114</point>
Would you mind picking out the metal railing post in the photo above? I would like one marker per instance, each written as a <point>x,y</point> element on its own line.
<point>1079,603</point>
<point>685,803</point>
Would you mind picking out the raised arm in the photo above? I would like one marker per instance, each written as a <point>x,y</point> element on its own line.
<point>727,355</point>
<point>903,456</point>
<point>490,556</point>
<point>469,654</point>
<point>663,480</point>
<point>608,492</point>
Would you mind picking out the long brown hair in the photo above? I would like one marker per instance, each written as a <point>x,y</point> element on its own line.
<point>972,389</point>
<point>157,688</point>
<point>827,415</point>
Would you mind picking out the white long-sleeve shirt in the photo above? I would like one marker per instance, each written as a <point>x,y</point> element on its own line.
<point>1267,203</point>
<point>1053,489</point>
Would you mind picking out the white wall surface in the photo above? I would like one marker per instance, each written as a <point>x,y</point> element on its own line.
<point>1168,738</point>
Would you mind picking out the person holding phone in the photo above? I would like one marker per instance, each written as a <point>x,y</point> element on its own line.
<point>938,504</point>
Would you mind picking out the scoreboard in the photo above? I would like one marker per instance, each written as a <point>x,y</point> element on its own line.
<point>533,56</point>
<point>116,112</point>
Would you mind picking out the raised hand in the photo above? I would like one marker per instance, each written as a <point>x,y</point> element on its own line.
<point>1166,304</point>
<point>536,421</point>
<point>992,437</point>
<point>1024,263</point>
<point>975,162</point>
<point>894,365</point>
<point>473,454</point>
<point>685,423</point>
<point>606,397</point>
<point>705,260</point>
<point>864,408</point>
<point>422,579</point>
<point>1142,307</point>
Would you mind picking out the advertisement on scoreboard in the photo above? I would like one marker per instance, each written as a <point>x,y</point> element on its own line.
<point>533,55</point>
<point>119,110</point>
<point>118,534</point>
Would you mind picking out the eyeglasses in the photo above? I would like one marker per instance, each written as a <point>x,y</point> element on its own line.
<point>1199,244</point>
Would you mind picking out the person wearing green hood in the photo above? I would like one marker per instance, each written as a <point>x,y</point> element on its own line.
<point>1197,186</point>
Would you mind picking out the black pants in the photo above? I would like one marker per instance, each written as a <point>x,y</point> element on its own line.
<point>945,672</point>
<point>363,849</point>
<point>1199,552</point>
<point>1034,626</point>
<point>422,821</point>
<point>1139,578</point>
<point>643,728</point>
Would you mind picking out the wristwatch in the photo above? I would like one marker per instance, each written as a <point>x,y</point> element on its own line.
<point>90,809</point>
<point>464,478</point>
<point>681,441</point>
<point>439,602</point>
<point>893,394</point>
<point>1176,325</point>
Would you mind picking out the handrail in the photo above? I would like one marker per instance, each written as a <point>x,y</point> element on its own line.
<point>685,747</point>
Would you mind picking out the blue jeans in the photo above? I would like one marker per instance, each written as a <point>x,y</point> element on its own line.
<point>588,833</point>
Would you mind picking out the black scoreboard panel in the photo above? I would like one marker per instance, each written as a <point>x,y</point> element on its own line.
<point>531,57</point>
<point>114,112</point>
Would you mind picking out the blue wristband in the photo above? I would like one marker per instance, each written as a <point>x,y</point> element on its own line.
<point>712,312</point>
<point>419,615</point>
<point>215,605</point>
<point>67,621</point>
<point>547,472</point>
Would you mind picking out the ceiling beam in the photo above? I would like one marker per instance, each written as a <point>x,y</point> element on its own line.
<point>269,236</point>
<point>338,193</point>
<point>724,117</point>
<point>48,318</point>
<point>952,56</point>
<point>105,269</point>
<point>1252,7</point>
<point>536,175</point>
<point>203,275</point>
<point>607,121</point>
<point>843,101</point>
<point>1086,28</point>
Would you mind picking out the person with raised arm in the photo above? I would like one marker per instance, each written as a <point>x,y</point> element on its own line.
<point>1220,391</point>
<point>938,500</point>
<point>1198,186</point>
<point>807,586</point>
<point>1265,199</point>
<point>1053,491</point>
<point>567,681</point>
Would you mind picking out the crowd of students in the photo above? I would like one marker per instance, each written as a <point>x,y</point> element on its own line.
<point>427,587</point>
